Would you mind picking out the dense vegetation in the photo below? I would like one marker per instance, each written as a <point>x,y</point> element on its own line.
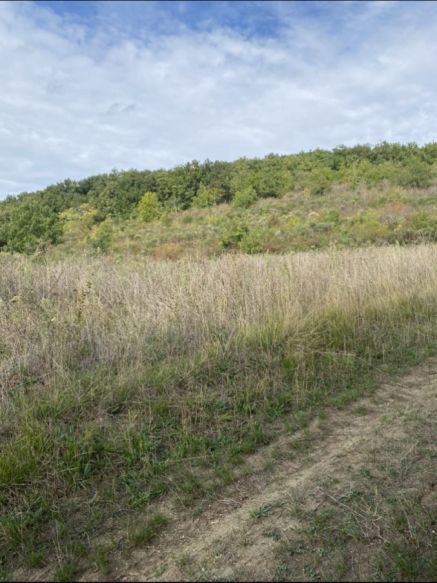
<point>98,208</point>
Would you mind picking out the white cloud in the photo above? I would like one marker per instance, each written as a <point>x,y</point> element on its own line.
<point>76,101</point>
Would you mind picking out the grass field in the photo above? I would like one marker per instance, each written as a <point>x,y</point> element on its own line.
<point>125,382</point>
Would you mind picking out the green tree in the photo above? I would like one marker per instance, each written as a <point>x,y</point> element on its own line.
<point>245,197</point>
<point>26,223</point>
<point>206,196</point>
<point>272,177</point>
<point>78,222</point>
<point>416,174</point>
<point>243,174</point>
<point>318,181</point>
<point>149,208</point>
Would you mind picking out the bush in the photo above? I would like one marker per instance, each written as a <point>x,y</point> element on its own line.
<point>251,242</point>
<point>149,207</point>
<point>232,234</point>
<point>415,174</point>
<point>366,227</point>
<point>101,235</point>
<point>77,222</point>
<point>422,226</point>
<point>318,181</point>
<point>244,198</point>
<point>206,197</point>
<point>332,216</point>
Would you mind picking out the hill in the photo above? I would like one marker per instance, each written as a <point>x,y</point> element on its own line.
<point>343,197</point>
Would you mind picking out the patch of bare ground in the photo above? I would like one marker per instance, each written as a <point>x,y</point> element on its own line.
<point>350,498</point>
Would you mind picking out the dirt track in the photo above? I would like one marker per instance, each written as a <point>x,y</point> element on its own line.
<point>226,539</point>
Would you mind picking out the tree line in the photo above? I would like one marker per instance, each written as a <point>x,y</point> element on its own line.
<point>32,220</point>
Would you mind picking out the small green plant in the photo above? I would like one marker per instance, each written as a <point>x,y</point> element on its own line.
<point>312,573</point>
<point>102,558</point>
<point>67,571</point>
<point>274,534</point>
<point>361,410</point>
<point>262,512</point>
<point>35,559</point>
<point>144,534</point>
<point>252,242</point>
<point>166,220</point>
<point>184,560</point>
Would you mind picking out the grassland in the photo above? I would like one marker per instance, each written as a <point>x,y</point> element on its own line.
<point>123,384</point>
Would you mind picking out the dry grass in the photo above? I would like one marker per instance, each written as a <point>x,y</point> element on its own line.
<point>113,373</point>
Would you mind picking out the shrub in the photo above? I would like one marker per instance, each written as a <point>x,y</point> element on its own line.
<point>245,197</point>
<point>206,197</point>
<point>233,232</point>
<point>251,242</point>
<point>166,220</point>
<point>367,228</point>
<point>101,235</point>
<point>318,181</point>
<point>422,226</point>
<point>332,216</point>
<point>416,174</point>
<point>149,207</point>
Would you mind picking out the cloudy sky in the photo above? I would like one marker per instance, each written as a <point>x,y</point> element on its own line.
<point>86,87</point>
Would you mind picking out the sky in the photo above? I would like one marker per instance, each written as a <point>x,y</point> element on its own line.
<point>87,87</point>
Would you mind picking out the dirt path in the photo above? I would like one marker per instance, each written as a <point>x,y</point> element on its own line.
<point>231,540</point>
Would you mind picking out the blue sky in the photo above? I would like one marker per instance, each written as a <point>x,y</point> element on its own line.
<point>91,86</point>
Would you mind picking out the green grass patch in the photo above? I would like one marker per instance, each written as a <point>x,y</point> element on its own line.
<point>143,534</point>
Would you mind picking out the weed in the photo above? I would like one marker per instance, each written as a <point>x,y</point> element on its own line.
<point>66,571</point>
<point>263,511</point>
<point>143,534</point>
<point>102,558</point>
<point>274,534</point>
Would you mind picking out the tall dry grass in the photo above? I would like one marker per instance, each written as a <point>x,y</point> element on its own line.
<point>91,312</point>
